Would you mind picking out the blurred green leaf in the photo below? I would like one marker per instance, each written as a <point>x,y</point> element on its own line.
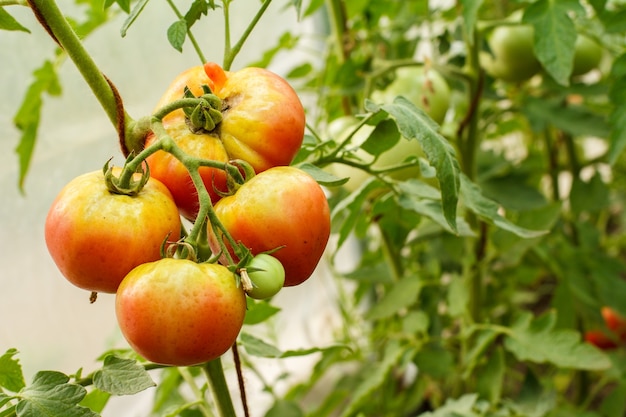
<point>177,33</point>
<point>459,407</point>
<point>555,35</point>
<point>259,311</point>
<point>11,376</point>
<point>537,340</point>
<point>321,176</point>
<point>402,294</point>
<point>134,14</point>
<point>283,408</point>
<point>414,123</point>
<point>384,137</point>
<point>8,22</point>
<point>27,117</point>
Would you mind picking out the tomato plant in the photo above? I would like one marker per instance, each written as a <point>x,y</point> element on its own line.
<point>463,273</point>
<point>267,276</point>
<point>96,236</point>
<point>261,122</point>
<point>280,209</point>
<point>178,312</point>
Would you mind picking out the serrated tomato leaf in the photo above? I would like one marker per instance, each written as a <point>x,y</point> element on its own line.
<point>488,210</point>
<point>11,376</point>
<point>120,376</point>
<point>27,117</point>
<point>414,123</point>
<point>555,35</point>
<point>50,394</point>
<point>537,340</point>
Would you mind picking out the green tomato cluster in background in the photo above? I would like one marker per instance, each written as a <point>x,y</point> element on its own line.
<point>511,56</point>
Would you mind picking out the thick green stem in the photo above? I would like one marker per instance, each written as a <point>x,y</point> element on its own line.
<point>217,382</point>
<point>231,52</point>
<point>53,20</point>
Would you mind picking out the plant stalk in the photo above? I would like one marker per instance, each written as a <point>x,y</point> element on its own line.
<point>217,382</point>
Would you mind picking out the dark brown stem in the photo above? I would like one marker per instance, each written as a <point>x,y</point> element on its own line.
<point>242,386</point>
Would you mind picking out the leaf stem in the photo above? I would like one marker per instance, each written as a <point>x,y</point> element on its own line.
<point>191,382</point>
<point>230,52</point>
<point>217,382</point>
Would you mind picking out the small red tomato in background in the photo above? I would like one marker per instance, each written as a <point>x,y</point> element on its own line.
<point>615,322</point>
<point>96,237</point>
<point>178,312</point>
<point>262,123</point>
<point>600,339</point>
<point>281,207</point>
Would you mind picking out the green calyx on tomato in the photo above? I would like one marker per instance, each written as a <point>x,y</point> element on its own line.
<point>284,208</point>
<point>206,115</point>
<point>262,123</point>
<point>178,312</point>
<point>95,237</point>
<point>511,55</point>
<point>263,277</point>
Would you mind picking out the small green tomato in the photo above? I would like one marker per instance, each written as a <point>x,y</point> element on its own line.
<point>267,276</point>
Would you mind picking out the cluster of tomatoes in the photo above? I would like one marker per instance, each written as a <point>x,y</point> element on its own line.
<point>181,296</point>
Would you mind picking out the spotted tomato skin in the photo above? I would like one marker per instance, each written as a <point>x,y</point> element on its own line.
<point>284,208</point>
<point>96,237</point>
<point>178,312</point>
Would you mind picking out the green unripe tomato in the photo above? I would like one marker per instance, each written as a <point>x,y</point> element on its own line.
<point>587,55</point>
<point>425,88</point>
<point>512,56</point>
<point>267,275</point>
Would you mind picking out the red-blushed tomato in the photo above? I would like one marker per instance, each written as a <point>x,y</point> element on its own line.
<point>600,340</point>
<point>96,237</point>
<point>178,312</point>
<point>267,275</point>
<point>263,123</point>
<point>281,207</point>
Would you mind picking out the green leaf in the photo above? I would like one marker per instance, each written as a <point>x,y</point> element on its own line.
<point>490,378</point>
<point>402,294</point>
<point>555,35</point>
<point>197,9</point>
<point>322,177</point>
<point>284,408</point>
<point>257,347</point>
<point>614,404</point>
<point>259,311</point>
<point>414,123</point>
<point>120,376</point>
<point>488,209</point>
<point>27,117</point>
<point>352,207</point>
<point>50,394</point>
<point>124,4</point>
<point>8,22</point>
<point>134,14</point>
<point>470,15</point>
<point>460,407</point>
<point>538,341</point>
<point>591,196</point>
<point>177,33</point>
<point>11,376</point>
<point>375,379</point>
<point>96,400</point>
<point>478,347</point>
<point>384,137</point>
<point>617,119</point>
